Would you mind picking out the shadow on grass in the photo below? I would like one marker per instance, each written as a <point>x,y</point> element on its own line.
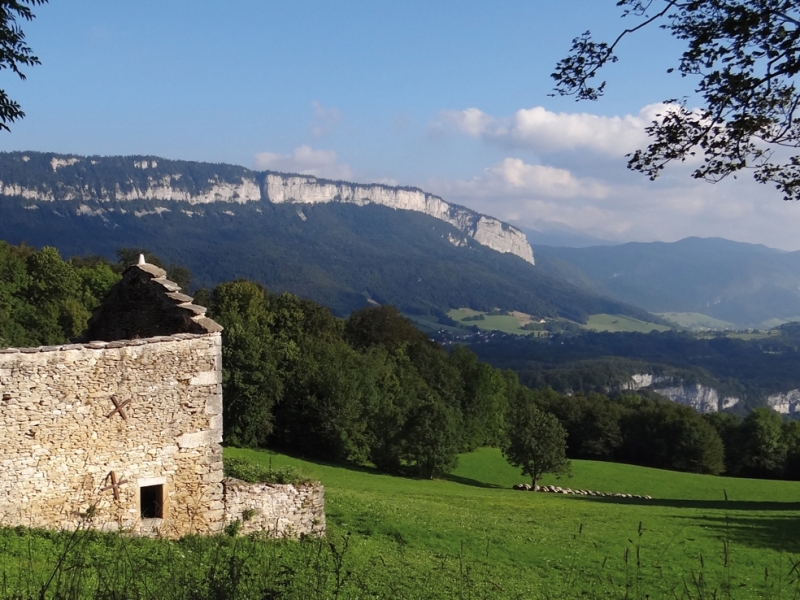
<point>364,469</point>
<point>472,482</point>
<point>262,456</point>
<point>730,505</point>
<point>779,532</point>
<point>776,532</point>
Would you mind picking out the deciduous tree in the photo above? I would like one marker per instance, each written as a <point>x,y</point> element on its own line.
<point>745,54</point>
<point>14,51</point>
<point>537,443</point>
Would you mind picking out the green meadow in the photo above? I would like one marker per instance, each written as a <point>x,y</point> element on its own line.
<point>468,535</point>
<point>529,543</point>
<point>621,323</point>
<point>506,323</point>
<point>513,323</point>
<point>693,320</point>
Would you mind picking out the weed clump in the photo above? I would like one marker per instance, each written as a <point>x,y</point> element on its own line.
<point>241,468</point>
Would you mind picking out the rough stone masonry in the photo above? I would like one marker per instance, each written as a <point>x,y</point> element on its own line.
<point>125,434</point>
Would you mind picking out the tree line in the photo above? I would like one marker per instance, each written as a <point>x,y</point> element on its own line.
<point>373,389</point>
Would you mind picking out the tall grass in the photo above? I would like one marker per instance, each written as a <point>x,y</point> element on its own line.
<point>38,565</point>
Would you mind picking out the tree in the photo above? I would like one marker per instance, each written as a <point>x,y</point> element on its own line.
<point>537,443</point>
<point>431,436</point>
<point>791,440</point>
<point>250,377</point>
<point>592,423</point>
<point>666,435</point>
<point>746,54</point>
<point>381,325</point>
<point>483,400</point>
<point>14,52</point>
<point>763,444</point>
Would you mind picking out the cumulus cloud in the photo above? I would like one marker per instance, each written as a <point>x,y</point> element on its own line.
<point>326,118</point>
<point>304,160</point>
<point>513,178</point>
<point>580,181</point>
<point>632,210</point>
<point>544,131</point>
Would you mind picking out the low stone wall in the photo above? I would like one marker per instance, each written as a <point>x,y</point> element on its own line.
<point>278,510</point>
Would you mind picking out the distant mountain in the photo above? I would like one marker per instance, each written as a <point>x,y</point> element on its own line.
<point>746,284</point>
<point>224,222</point>
<point>550,234</point>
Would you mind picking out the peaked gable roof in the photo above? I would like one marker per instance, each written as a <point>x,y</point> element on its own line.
<point>143,304</point>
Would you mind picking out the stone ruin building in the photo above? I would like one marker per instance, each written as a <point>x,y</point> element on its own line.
<point>124,432</point>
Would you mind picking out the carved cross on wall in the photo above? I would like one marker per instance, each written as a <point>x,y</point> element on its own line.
<point>114,484</point>
<point>119,407</point>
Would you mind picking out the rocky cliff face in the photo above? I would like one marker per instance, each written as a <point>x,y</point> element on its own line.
<point>641,380</point>
<point>44,177</point>
<point>487,231</point>
<point>787,403</point>
<point>162,189</point>
<point>702,398</point>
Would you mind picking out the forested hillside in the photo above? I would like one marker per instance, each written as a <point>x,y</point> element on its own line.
<point>340,255</point>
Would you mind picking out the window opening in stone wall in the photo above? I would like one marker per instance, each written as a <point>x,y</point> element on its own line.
<point>151,501</point>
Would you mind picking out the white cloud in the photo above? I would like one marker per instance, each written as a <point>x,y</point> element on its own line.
<point>326,118</point>
<point>513,178</point>
<point>627,207</point>
<point>305,160</point>
<point>544,131</point>
<point>581,181</point>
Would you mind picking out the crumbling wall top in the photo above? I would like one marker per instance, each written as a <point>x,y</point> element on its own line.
<point>145,304</point>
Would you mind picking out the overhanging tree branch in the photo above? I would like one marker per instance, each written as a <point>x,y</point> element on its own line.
<point>14,52</point>
<point>746,54</point>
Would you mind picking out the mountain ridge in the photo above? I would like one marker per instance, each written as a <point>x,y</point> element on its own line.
<point>51,177</point>
<point>746,284</point>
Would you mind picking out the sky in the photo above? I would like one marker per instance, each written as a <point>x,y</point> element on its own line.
<point>452,97</point>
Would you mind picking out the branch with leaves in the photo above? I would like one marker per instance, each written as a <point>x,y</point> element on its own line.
<point>746,54</point>
<point>14,52</point>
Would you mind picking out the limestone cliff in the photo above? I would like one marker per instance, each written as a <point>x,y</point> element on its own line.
<point>47,177</point>
<point>702,398</point>
<point>487,231</point>
<point>786,403</point>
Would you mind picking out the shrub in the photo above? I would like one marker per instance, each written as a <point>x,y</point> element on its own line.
<point>251,472</point>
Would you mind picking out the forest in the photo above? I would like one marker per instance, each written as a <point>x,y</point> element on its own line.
<point>372,389</point>
<point>749,369</point>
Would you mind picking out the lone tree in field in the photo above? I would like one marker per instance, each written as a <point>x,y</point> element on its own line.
<point>746,55</point>
<point>14,52</point>
<point>537,443</point>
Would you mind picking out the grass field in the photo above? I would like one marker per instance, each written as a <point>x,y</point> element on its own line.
<point>471,536</point>
<point>512,323</point>
<point>504,323</point>
<point>693,320</point>
<point>531,541</point>
<point>620,323</point>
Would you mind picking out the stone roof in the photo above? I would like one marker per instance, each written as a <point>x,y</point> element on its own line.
<point>97,345</point>
<point>145,304</point>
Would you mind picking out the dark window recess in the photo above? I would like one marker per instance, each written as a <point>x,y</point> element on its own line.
<point>151,501</point>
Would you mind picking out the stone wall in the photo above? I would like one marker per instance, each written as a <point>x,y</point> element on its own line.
<point>85,426</point>
<point>278,510</point>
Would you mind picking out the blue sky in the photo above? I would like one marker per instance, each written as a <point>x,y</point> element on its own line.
<point>448,96</point>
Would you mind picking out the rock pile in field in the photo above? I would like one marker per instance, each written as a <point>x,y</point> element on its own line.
<point>553,489</point>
